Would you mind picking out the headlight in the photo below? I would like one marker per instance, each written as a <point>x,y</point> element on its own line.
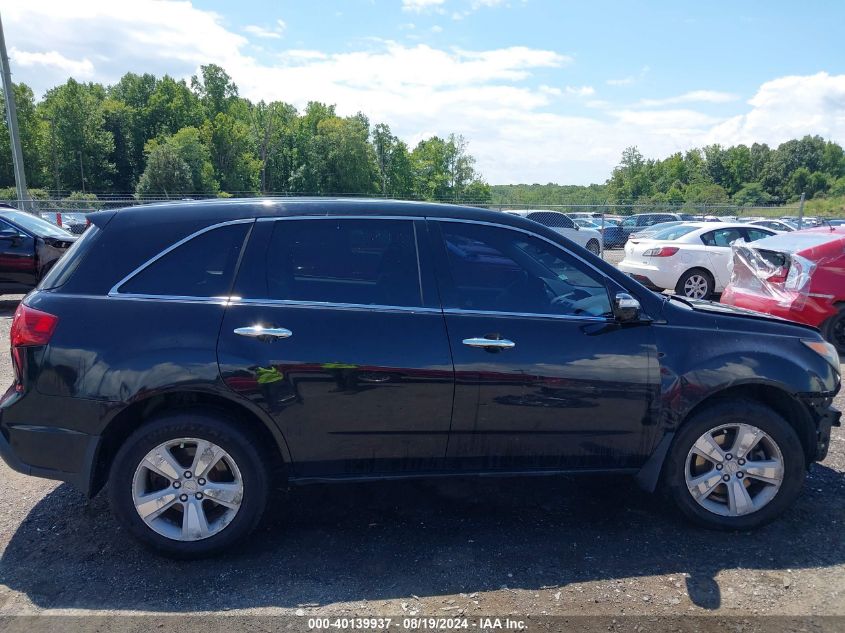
<point>825,350</point>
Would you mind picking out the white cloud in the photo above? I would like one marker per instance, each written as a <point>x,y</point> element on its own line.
<point>581,91</point>
<point>518,127</point>
<point>259,31</point>
<point>789,107</point>
<point>82,68</point>
<point>421,6</point>
<point>694,96</point>
<point>630,79</point>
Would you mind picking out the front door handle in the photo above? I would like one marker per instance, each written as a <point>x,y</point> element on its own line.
<point>489,343</point>
<point>258,331</point>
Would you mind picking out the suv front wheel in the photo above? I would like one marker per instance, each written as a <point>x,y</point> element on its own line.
<point>735,465</point>
<point>188,484</point>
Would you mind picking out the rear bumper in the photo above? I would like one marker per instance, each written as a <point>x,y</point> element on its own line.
<point>50,452</point>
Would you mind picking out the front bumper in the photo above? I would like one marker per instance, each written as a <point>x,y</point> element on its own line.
<point>825,416</point>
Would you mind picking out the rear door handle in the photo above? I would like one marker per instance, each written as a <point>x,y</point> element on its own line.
<point>258,331</point>
<point>495,343</point>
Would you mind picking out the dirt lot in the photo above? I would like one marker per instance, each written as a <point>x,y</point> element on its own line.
<point>481,547</point>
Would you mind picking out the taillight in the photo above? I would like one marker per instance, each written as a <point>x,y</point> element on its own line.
<point>663,251</point>
<point>780,276</point>
<point>29,327</point>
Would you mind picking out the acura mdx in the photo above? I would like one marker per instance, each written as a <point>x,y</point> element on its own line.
<point>190,355</point>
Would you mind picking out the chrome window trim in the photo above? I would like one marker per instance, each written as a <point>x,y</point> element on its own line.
<point>292,303</point>
<point>115,289</point>
<point>529,315</point>
<point>283,218</point>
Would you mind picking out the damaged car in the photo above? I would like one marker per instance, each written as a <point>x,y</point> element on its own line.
<point>799,276</point>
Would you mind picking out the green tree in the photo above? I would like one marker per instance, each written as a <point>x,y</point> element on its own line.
<point>166,173</point>
<point>236,166</point>
<point>215,90</point>
<point>83,146</point>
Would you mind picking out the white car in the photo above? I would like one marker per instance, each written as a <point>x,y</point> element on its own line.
<point>692,259</point>
<point>776,225</point>
<point>563,224</point>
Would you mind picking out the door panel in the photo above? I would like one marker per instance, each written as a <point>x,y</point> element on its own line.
<point>575,389</point>
<point>17,257</point>
<point>355,389</point>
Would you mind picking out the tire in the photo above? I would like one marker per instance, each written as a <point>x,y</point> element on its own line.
<point>696,283</point>
<point>716,509</point>
<point>594,248</point>
<point>834,330</point>
<point>193,524</point>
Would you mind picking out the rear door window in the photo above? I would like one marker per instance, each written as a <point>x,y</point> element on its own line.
<point>722,237</point>
<point>202,266</point>
<point>752,235</point>
<point>352,261</point>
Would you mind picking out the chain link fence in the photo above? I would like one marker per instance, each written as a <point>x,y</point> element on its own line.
<point>604,228</point>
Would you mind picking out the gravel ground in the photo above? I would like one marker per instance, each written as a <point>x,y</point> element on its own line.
<point>573,546</point>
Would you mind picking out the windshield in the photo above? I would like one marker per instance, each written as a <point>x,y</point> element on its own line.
<point>34,224</point>
<point>673,232</point>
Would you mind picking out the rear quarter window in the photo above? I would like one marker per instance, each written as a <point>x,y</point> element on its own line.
<point>69,262</point>
<point>203,266</point>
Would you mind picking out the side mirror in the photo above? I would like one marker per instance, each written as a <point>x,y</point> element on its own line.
<point>626,307</point>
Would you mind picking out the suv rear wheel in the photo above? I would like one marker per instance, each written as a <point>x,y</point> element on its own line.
<point>188,484</point>
<point>735,465</point>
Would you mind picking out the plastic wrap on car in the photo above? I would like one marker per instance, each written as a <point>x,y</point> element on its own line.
<point>781,269</point>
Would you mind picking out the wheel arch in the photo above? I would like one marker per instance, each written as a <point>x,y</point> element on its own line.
<point>776,398</point>
<point>121,426</point>
<point>704,270</point>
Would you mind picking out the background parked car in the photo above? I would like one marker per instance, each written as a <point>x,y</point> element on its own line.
<point>655,229</point>
<point>691,259</point>
<point>72,221</point>
<point>29,246</point>
<point>781,226</point>
<point>617,236</point>
<point>566,226</point>
<point>798,276</point>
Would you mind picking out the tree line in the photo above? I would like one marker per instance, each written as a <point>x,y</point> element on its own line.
<point>739,175</point>
<point>159,136</point>
<point>165,137</point>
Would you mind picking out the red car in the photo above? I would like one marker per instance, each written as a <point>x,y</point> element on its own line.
<point>798,276</point>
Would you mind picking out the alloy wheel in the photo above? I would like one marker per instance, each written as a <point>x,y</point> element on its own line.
<point>187,489</point>
<point>696,287</point>
<point>734,469</point>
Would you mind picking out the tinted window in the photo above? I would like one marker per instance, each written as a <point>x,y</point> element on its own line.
<point>629,222</point>
<point>722,237</point>
<point>501,270</point>
<point>756,234</point>
<point>552,220</point>
<point>370,262</point>
<point>201,267</point>
<point>69,262</point>
<point>673,232</point>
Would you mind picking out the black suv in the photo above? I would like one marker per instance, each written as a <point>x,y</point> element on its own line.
<point>190,353</point>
